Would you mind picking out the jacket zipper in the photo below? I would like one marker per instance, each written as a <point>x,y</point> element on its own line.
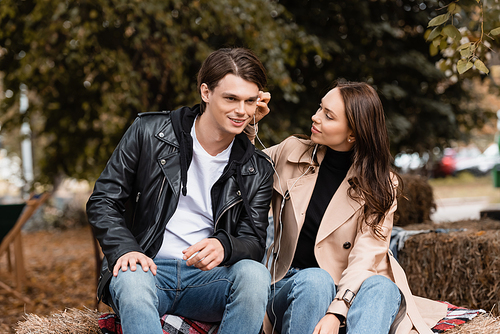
<point>161,189</point>
<point>225,210</point>
<point>137,197</point>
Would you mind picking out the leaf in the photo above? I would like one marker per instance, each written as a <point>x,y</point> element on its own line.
<point>433,50</point>
<point>495,31</point>
<point>463,46</point>
<point>443,45</point>
<point>454,9</point>
<point>437,41</point>
<point>480,66</point>
<point>463,65</point>
<point>434,33</point>
<point>452,31</point>
<point>466,53</point>
<point>438,20</point>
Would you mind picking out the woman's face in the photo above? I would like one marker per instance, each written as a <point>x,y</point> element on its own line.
<point>330,123</point>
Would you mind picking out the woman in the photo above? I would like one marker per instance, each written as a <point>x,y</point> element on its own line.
<point>333,207</point>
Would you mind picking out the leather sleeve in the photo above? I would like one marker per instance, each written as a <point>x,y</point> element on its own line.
<point>243,242</point>
<point>106,205</point>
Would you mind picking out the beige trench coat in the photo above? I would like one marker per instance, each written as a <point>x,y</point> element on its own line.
<point>367,255</point>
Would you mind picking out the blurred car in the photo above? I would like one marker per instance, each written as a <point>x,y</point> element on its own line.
<point>480,164</point>
<point>468,159</point>
<point>446,166</point>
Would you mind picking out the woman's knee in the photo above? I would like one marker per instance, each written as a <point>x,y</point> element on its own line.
<point>314,285</point>
<point>316,280</point>
<point>382,287</point>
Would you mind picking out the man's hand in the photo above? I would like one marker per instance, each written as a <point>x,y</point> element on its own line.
<point>131,259</point>
<point>329,324</point>
<point>205,255</point>
<point>262,107</point>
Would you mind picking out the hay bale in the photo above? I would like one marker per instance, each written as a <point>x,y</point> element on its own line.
<point>482,324</point>
<point>70,321</point>
<point>417,202</point>
<point>462,268</point>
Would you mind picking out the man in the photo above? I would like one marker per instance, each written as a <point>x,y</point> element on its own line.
<point>197,195</point>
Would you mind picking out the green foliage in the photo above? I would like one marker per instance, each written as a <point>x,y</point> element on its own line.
<point>478,21</point>
<point>381,42</point>
<point>92,65</point>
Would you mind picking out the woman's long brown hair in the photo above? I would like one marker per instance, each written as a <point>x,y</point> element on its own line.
<point>371,181</point>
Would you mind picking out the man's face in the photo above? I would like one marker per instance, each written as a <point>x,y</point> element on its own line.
<point>230,106</point>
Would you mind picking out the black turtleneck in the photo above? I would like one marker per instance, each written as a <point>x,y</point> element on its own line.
<point>331,173</point>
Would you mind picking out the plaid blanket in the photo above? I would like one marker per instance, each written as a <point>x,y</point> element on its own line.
<point>109,323</point>
<point>171,324</point>
<point>454,317</point>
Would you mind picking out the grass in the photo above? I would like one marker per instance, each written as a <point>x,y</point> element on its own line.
<point>465,185</point>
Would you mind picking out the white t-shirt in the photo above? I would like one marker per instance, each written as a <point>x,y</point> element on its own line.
<point>193,219</point>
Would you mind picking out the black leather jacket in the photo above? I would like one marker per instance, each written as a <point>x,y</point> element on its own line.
<point>138,191</point>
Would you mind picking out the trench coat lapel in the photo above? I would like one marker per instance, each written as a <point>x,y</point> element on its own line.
<point>300,194</point>
<point>300,188</point>
<point>340,209</point>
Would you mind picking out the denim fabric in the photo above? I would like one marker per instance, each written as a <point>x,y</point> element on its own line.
<point>236,296</point>
<point>299,301</point>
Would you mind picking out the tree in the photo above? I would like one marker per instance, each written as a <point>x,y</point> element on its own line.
<point>381,42</point>
<point>92,65</point>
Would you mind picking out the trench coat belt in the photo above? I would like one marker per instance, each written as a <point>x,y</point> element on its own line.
<point>415,317</point>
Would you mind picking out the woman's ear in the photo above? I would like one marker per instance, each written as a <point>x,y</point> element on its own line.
<point>351,138</point>
<point>205,93</point>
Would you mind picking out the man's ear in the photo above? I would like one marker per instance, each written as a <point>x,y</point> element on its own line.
<point>205,93</point>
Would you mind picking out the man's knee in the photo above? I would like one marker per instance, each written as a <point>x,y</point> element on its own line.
<point>133,285</point>
<point>252,272</point>
<point>251,279</point>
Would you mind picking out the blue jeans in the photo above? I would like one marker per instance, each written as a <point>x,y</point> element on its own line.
<point>236,296</point>
<point>299,301</point>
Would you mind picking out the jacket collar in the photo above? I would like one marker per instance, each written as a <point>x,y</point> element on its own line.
<point>166,134</point>
<point>298,155</point>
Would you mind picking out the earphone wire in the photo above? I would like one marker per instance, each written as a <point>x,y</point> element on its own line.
<point>284,196</point>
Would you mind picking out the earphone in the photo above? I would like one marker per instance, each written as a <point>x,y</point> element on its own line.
<point>276,246</point>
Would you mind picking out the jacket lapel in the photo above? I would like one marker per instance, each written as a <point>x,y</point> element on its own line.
<point>300,191</point>
<point>340,209</point>
<point>300,187</point>
<point>170,162</point>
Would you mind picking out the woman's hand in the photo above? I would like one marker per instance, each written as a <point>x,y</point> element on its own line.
<point>262,107</point>
<point>329,324</point>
